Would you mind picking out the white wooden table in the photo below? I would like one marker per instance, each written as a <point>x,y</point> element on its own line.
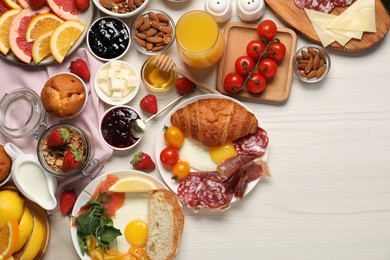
<point>329,195</point>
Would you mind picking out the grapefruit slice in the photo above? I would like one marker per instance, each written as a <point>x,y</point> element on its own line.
<point>17,36</point>
<point>24,3</point>
<point>3,8</point>
<point>5,25</point>
<point>64,8</point>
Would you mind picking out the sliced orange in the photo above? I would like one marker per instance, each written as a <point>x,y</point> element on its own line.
<point>64,37</point>
<point>12,4</point>
<point>41,24</point>
<point>41,47</point>
<point>5,25</point>
<point>9,237</point>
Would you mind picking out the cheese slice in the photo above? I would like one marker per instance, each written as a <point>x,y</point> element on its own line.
<point>353,34</point>
<point>322,20</point>
<point>360,16</point>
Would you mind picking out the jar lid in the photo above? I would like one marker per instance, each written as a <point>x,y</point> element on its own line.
<point>21,113</point>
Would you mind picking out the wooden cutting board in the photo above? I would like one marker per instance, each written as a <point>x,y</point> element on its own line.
<point>290,14</point>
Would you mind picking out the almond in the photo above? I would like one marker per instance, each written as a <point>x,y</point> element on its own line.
<point>154,39</point>
<point>167,39</point>
<point>131,5</point>
<point>153,17</point>
<point>138,22</point>
<point>162,18</point>
<point>151,32</point>
<point>166,29</point>
<point>138,3</point>
<point>320,71</point>
<point>107,4</point>
<point>155,25</point>
<point>316,62</point>
<point>139,41</point>
<point>158,48</point>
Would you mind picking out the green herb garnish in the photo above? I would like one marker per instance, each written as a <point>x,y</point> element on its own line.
<point>97,223</point>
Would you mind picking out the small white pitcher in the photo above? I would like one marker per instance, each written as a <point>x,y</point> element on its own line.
<point>31,179</point>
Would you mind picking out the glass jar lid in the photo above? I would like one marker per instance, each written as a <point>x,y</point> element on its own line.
<point>21,113</point>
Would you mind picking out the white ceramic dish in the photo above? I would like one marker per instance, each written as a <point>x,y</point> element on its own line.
<point>108,99</point>
<point>85,17</point>
<point>160,143</point>
<point>118,15</point>
<point>90,188</point>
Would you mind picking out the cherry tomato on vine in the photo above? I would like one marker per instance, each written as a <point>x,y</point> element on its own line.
<point>174,137</point>
<point>256,83</point>
<point>233,82</point>
<point>181,170</point>
<point>276,51</point>
<point>266,29</point>
<point>267,68</point>
<point>244,65</point>
<point>254,49</point>
<point>169,156</point>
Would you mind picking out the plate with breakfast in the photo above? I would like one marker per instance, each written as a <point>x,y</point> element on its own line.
<point>211,151</point>
<point>45,34</point>
<point>125,213</point>
<point>344,25</point>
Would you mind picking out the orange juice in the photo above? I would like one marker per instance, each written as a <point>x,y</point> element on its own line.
<point>199,39</point>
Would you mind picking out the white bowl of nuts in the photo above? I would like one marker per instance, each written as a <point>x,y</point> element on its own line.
<point>311,63</point>
<point>121,8</point>
<point>153,31</point>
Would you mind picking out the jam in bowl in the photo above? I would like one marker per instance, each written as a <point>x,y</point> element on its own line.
<point>115,127</point>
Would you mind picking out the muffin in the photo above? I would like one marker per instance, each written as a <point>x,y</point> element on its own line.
<point>64,95</point>
<point>5,164</point>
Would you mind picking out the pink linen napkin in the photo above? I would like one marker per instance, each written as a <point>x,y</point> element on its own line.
<point>13,76</point>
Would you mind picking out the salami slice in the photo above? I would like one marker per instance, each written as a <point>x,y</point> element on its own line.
<point>342,3</point>
<point>253,144</point>
<point>212,194</point>
<point>324,6</point>
<point>300,3</point>
<point>187,191</point>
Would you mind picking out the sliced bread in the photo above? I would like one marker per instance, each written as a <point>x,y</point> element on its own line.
<point>166,223</point>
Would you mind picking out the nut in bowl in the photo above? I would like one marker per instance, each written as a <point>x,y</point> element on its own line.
<point>64,95</point>
<point>115,125</point>
<point>153,31</point>
<point>108,38</point>
<point>121,8</point>
<point>311,63</point>
<point>116,82</point>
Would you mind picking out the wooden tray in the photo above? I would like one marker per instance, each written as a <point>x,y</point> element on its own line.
<point>290,14</point>
<point>237,36</point>
<point>41,214</point>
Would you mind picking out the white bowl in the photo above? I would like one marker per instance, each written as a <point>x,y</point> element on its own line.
<point>107,98</point>
<point>120,15</point>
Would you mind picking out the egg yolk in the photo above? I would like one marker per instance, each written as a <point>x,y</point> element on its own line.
<point>136,232</point>
<point>220,153</point>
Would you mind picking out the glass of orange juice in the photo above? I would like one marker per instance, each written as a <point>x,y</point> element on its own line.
<point>199,39</point>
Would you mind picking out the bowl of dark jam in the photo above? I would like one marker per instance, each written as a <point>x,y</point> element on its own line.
<point>108,38</point>
<point>115,126</point>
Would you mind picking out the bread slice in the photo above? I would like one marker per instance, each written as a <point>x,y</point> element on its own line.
<point>166,223</point>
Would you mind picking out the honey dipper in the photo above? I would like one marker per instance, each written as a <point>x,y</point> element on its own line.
<point>163,62</point>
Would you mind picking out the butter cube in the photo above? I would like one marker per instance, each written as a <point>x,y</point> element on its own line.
<point>116,66</point>
<point>123,73</point>
<point>105,88</point>
<point>112,73</point>
<point>127,91</point>
<point>117,84</point>
<point>131,81</point>
<point>116,95</point>
<point>102,75</point>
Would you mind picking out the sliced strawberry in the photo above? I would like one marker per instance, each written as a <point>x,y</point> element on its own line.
<point>67,200</point>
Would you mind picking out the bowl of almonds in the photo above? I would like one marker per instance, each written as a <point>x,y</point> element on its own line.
<point>311,63</point>
<point>153,31</point>
<point>121,8</point>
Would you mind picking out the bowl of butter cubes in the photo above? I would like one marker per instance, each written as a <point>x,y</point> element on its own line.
<point>116,82</point>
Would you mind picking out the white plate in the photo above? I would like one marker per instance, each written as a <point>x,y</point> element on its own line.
<point>90,189</point>
<point>84,17</point>
<point>160,143</point>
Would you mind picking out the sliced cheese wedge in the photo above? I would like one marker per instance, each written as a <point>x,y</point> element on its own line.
<point>360,16</point>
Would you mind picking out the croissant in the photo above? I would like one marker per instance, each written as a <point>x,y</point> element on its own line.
<point>214,121</point>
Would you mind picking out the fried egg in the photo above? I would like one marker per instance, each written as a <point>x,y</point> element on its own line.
<point>203,158</point>
<point>131,219</point>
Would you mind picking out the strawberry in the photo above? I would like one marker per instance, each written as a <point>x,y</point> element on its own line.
<point>81,4</point>
<point>72,160</point>
<point>59,137</point>
<point>67,200</point>
<point>142,161</point>
<point>80,68</point>
<point>149,104</point>
<point>184,85</point>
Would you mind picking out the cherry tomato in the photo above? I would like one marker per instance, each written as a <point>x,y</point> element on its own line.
<point>254,49</point>
<point>233,82</point>
<point>266,29</point>
<point>244,65</point>
<point>174,137</point>
<point>267,68</point>
<point>276,51</point>
<point>256,83</point>
<point>181,170</point>
<point>169,156</point>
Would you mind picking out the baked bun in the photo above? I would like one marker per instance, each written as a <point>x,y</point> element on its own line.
<point>63,95</point>
<point>5,164</point>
